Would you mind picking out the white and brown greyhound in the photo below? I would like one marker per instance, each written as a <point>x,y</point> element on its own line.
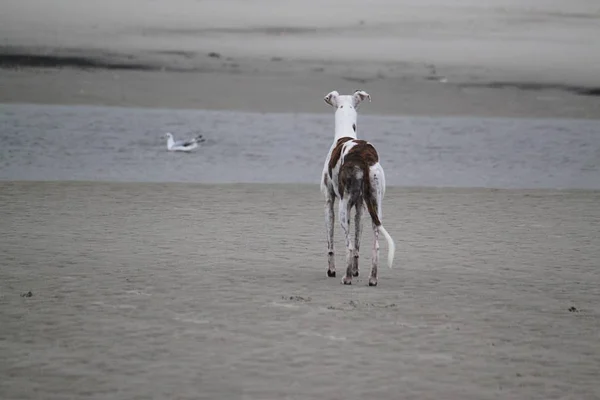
<point>353,174</point>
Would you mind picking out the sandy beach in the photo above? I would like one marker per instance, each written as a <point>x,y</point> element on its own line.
<point>504,58</point>
<point>129,272</point>
<point>178,291</point>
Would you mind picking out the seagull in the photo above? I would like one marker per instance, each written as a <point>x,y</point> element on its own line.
<point>183,145</point>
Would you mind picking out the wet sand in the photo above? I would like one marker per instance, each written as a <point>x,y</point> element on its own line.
<point>288,92</point>
<point>415,57</point>
<point>219,291</point>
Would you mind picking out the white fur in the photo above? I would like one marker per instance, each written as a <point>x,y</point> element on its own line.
<point>346,126</point>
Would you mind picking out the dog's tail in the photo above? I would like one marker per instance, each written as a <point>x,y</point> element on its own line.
<point>372,207</point>
<point>391,245</point>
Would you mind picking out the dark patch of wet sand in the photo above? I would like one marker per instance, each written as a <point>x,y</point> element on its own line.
<point>219,291</point>
<point>285,88</point>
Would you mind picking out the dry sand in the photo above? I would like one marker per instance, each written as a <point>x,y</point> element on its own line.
<point>506,58</point>
<point>175,291</point>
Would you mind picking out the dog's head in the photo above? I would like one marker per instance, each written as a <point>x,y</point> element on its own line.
<point>338,101</point>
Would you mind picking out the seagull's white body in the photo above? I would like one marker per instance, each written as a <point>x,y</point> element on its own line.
<point>182,145</point>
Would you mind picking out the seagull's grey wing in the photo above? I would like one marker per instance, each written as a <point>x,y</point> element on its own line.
<point>185,143</point>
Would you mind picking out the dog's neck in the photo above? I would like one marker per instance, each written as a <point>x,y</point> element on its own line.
<point>345,123</point>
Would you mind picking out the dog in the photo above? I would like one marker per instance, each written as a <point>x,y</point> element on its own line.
<point>352,173</point>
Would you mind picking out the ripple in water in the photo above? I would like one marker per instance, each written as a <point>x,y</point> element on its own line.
<point>41,142</point>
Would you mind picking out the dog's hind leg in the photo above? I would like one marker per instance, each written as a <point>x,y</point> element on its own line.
<point>344,211</point>
<point>375,257</point>
<point>357,234</point>
<point>377,190</point>
<point>329,224</point>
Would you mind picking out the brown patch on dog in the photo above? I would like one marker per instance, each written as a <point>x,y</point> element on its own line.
<point>362,150</point>
<point>337,153</point>
<point>360,157</point>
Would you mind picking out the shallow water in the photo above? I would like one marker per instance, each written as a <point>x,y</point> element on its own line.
<point>42,142</point>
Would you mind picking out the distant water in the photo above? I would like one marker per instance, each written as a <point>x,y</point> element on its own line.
<point>40,142</point>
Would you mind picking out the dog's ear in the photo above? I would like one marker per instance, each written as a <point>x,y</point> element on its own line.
<point>359,96</point>
<point>331,98</point>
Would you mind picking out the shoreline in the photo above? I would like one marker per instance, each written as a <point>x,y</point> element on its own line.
<point>295,186</point>
<point>283,113</point>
